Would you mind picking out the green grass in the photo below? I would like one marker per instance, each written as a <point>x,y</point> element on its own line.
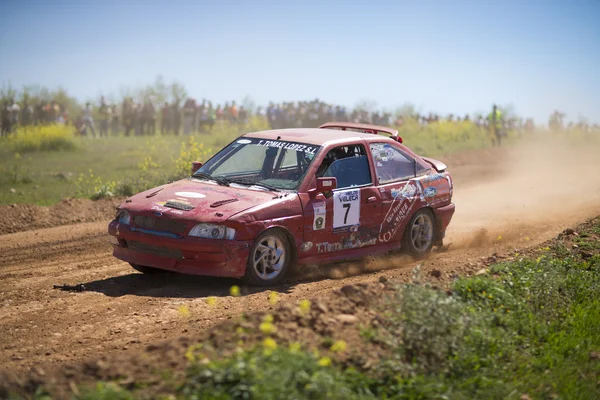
<point>530,326</point>
<point>46,177</point>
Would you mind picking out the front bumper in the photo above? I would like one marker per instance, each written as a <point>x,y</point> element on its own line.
<point>189,255</point>
<point>444,216</point>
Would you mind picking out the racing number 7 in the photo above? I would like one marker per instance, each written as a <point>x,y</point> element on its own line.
<point>347,207</point>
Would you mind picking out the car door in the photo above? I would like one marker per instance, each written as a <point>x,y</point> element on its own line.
<point>401,191</point>
<point>348,217</point>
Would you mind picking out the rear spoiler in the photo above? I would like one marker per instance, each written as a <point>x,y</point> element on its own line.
<point>364,128</point>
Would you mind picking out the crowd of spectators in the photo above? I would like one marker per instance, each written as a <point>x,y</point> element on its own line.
<point>143,117</point>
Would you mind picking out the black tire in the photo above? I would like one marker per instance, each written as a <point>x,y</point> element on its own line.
<point>417,241</point>
<point>146,270</point>
<point>275,247</point>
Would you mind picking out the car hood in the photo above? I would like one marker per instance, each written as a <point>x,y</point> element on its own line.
<point>197,199</point>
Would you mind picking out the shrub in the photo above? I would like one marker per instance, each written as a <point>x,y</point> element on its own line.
<point>54,137</point>
<point>93,187</point>
<point>192,150</point>
<point>276,374</point>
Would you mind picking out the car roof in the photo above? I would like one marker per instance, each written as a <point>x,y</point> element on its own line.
<point>314,136</point>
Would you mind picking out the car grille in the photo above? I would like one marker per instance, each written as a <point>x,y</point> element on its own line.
<point>162,225</point>
<point>156,250</point>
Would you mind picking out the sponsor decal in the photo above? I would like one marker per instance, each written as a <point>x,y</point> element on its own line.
<point>306,246</point>
<point>358,238</point>
<point>433,177</point>
<point>320,214</point>
<point>327,247</point>
<point>410,189</point>
<point>346,208</point>
<point>244,141</point>
<point>404,199</point>
<point>430,192</point>
<point>304,148</point>
<point>346,229</point>
<point>191,195</point>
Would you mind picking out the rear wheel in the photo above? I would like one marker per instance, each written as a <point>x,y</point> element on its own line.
<point>269,259</point>
<point>419,234</point>
<point>146,270</point>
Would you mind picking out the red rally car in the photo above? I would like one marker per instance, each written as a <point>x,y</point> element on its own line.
<point>273,199</point>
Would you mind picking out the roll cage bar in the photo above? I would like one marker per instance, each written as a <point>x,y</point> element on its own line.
<point>364,128</point>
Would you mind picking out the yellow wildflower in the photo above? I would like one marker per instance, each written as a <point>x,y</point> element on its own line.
<point>267,328</point>
<point>211,301</point>
<point>339,346</point>
<point>234,291</point>
<point>273,298</point>
<point>305,306</point>
<point>324,362</point>
<point>184,311</point>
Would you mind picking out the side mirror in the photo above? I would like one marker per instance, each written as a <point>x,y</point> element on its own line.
<point>326,184</point>
<point>196,166</point>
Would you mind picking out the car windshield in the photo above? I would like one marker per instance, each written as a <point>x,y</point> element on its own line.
<point>270,164</point>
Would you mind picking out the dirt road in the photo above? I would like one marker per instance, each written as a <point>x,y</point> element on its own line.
<point>521,197</point>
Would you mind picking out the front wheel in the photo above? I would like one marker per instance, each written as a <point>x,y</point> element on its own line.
<point>269,259</point>
<point>419,234</point>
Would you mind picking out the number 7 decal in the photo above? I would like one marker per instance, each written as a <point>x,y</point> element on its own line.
<point>346,208</point>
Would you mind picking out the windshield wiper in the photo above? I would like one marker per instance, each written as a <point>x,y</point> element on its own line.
<point>249,182</point>
<point>220,181</point>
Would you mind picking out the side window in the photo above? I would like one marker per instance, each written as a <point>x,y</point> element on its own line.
<point>348,164</point>
<point>390,163</point>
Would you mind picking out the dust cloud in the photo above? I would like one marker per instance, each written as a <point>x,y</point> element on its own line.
<point>538,186</point>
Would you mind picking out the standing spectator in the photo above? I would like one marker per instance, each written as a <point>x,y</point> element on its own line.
<point>54,111</point>
<point>15,110</point>
<point>148,118</point>
<point>5,118</point>
<point>495,126</point>
<point>62,119</point>
<point>233,112</point>
<point>189,115</point>
<point>165,119</point>
<point>88,119</point>
<point>26,114</point>
<point>176,116</point>
<point>243,115</point>
<point>212,114</point>
<point>38,113</point>
<point>128,115</point>
<point>219,112</point>
<point>114,120</point>
<point>103,114</point>
<point>137,119</point>
<point>555,123</point>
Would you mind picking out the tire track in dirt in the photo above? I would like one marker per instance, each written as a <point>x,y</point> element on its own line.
<point>125,311</point>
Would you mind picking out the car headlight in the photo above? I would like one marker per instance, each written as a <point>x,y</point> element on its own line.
<point>123,217</point>
<point>211,231</point>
